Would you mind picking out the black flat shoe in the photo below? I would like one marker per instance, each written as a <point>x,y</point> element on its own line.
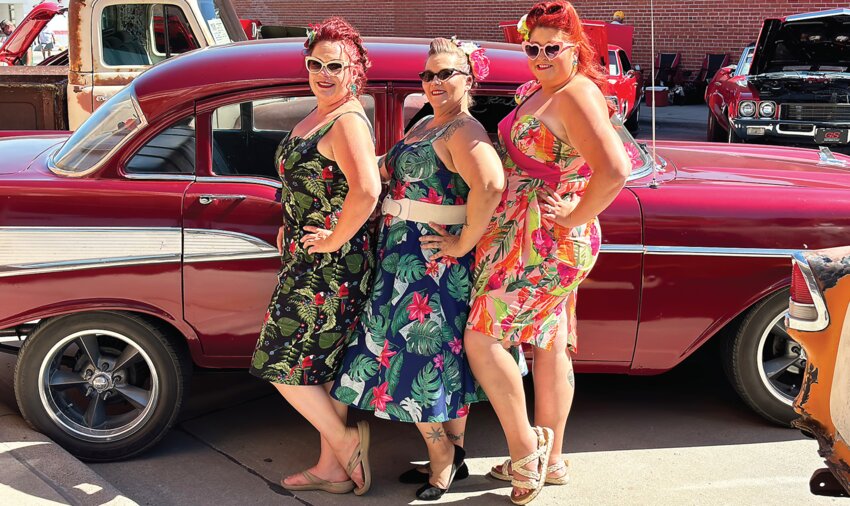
<point>428,492</point>
<point>415,476</point>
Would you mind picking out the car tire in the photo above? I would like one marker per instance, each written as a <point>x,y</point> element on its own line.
<point>715,132</point>
<point>754,357</point>
<point>105,385</point>
<point>632,124</point>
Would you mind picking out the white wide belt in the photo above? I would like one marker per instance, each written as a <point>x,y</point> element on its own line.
<point>424,212</point>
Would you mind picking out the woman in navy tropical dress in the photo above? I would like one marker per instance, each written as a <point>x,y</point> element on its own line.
<point>406,361</point>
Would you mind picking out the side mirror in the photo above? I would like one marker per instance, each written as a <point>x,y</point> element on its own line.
<point>637,68</point>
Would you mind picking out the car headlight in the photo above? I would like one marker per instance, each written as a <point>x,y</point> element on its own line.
<point>747,108</point>
<point>767,109</point>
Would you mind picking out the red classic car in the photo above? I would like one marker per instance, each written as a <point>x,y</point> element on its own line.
<point>818,320</point>
<point>626,86</point>
<point>16,45</point>
<point>143,243</point>
<point>796,90</point>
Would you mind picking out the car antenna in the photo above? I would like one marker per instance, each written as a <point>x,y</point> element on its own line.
<point>654,182</point>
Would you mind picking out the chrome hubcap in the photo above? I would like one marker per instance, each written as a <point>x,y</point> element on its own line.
<point>781,361</point>
<point>98,385</point>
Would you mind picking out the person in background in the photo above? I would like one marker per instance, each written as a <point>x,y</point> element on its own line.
<point>46,41</point>
<point>618,18</point>
<point>6,29</point>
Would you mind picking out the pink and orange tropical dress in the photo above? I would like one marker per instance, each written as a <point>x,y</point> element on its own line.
<point>527,270</point>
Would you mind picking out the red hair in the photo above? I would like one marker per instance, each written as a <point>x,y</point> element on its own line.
<point>336,29</point>
<point>562,15</point>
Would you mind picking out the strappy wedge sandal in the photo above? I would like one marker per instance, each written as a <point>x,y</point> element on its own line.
<point>499,473</point>
<point>361,456</point>
<point>536,479</point>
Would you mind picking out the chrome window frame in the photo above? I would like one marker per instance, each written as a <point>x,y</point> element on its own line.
<point>143,122</point>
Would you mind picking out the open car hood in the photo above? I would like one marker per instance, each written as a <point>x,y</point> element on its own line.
<point>812,42</point>
<point>16,45</point>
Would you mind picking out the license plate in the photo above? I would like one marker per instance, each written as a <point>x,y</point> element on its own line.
<point>832,136</point>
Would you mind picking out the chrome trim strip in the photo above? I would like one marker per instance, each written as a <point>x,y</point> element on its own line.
<point>822,320</point>
<point>239,179</point>
<point>161,177</point>
<point>719,252</point>
<point>36,250</point>
<point>201,245</point>
<point>621,248</point>
<point>810,133</point>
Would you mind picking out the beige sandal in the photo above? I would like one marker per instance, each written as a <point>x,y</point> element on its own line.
<point>361,456</point>
<point>316,483</point>
<point>536,479</point>
<point>499,473</point>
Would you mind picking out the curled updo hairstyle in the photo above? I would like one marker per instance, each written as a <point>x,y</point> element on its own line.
<point>441,45</point>
<point>562,16</point>
<point>336,29</point>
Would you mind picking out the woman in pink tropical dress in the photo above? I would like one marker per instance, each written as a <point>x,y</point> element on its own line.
<point>564,164</point>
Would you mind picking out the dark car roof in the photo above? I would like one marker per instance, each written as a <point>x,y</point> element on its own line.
<point>269,62</point>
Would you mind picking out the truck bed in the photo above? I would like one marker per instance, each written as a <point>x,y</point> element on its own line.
<point>34,98</point>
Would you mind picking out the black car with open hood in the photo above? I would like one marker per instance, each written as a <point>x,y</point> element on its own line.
<point>799,82</point>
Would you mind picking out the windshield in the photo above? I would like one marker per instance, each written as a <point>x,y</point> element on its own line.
<point>222,21</point>
<point>106,130</point>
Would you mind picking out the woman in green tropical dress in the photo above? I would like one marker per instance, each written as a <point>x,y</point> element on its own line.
<point>331,185</point>
<point>406,361</point>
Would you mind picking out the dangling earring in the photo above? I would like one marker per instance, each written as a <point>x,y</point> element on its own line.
<point>575,61</point>
<point>353,88</point>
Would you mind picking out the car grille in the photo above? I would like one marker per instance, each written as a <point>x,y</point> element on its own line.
<point>815,112</point>
<point>794,127</point>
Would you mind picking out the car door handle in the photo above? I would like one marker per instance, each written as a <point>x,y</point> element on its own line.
<point>208,199</point>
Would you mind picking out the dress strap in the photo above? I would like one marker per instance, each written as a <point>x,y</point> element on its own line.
<point>363,116</point>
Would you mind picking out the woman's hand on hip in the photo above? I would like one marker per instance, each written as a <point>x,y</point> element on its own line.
<point>319,240</point>
<point>445,244</point>
<point>556,209</point>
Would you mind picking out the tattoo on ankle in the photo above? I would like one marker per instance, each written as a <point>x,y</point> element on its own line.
<point>435,435</point>
<point>572,378</point>
<point>455,437</point>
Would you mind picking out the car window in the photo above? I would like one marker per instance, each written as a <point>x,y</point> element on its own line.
<point>624,60</point>
<point>246,135</point>
<point>180,38</point>
<point>93,143</point>
<point>489,109</point>
<point>745,62</point>
<point>135,34</point>
<point>613,68</point>
<point>171,151</point>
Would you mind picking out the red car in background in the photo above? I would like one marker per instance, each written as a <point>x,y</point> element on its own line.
<point>142,244</point>
<point>795,90</point>
<point>16,45</point>
<point>625,81</point>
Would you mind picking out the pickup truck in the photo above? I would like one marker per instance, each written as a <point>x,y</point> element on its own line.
<point>110,42</point>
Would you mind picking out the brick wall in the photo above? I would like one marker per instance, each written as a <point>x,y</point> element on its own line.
<point>692,27</point>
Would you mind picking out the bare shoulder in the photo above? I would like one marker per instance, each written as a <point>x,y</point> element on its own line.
<point>584,97</point>
<point>463,130</point>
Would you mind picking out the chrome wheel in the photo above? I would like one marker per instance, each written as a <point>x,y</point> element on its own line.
<point>98,385</point>
<point>781,361</point>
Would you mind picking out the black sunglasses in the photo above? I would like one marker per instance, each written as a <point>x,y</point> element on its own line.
<point>427,76</point>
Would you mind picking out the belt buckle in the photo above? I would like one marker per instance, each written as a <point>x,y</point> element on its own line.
<point>391,207</point>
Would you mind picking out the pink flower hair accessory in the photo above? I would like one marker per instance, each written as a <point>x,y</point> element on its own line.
<point>479,64</point>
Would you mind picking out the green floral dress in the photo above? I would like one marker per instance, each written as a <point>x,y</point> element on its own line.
<point>318,297</point>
